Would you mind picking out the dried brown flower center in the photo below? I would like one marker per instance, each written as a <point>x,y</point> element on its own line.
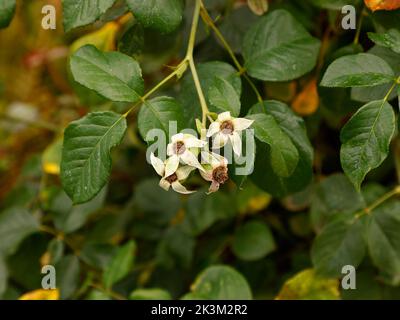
<point>172,178</point>
<point>227,127</point>
<point>220,174</point>
<point>179,147</point>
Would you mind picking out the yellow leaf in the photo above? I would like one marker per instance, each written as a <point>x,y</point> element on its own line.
<point>103,39</point>
<point>259,7</point>
<point>306,285</point>
<point>41,294</point>
<point>375,5</point>
<point>307,101</point>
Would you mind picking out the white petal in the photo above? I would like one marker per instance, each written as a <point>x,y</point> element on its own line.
<point>170,149</point>
<point>213,129</point>
<point>224,116</point>
<point>183,172</point>
<point>177,137</point>
<point>157,164</point>
<point>193,142</point>
<point>180,188</point>
<point>171,165</point>
<point>207,175</point>
<point>220,140</point>
<point>236,143</point>
<point>164,184</point>
<point>214,159</point>
<point>213,187</point>
<point>191,160</point>
<point>242,123</point>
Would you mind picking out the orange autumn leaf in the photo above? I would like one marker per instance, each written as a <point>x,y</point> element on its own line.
<point>375,5</point>
<point>307,100</point>
<point>41,294</point>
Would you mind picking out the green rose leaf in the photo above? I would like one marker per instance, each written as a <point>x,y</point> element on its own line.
<point>340,243</point>
<point>264,176</point>
<point>253,241</point>
<point>120,265</point>
<point>383,239</point>
<point>79,13</point>
<point>158,113</point>
<point>358,70</point>
<point>390,40</point>
<point>162,15</point>
<point>221,283</point>
<point>367,94</point>
<point>7,10</point>
<point>15,225</point>
<point>86,161</point>
<point>223,96</point>
<point>284,155</point>
<point>365,140</point>
<point>279,48</point>
<point>113,75</point>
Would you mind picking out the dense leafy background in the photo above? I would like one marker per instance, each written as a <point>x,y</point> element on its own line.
<point>326,164</point>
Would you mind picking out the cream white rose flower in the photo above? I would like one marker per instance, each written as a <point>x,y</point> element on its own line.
<point>216,170</point>
<point>182,149</point>
<point>171,180</point>
<point>227,128</point>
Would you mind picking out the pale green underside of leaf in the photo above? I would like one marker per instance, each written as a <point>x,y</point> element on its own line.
<point>113,75</point>
<point>365,140</point>
<point>278,48</point>
<point>384,238</point>
<point>160,113</point>
<point>7,10</point>
<point>78,13</point>
<point>284,155</point>
<point>86,161</point>
<point>340,243</point>
<point>359,70</point>
<point>162,15</point>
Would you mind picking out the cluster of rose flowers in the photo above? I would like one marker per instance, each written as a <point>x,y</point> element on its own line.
<point>184,151</point>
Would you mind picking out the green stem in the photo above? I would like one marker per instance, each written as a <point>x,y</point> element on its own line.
<point>377,203</point>
<point>242,71</point>
<point>360,22</point>
<point>189,58</point>
<point>395,83</point>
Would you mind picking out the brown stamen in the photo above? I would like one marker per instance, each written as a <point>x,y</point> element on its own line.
<point>227,127</point>
<point>220,174</point>
<point>172,178</point>
<point>179,147</point>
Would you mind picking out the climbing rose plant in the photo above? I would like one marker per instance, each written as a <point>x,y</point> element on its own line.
<point>217,149</point>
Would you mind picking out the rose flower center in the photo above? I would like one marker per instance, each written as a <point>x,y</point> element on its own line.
<point>220,174</point>
<point>172,178</point>
<point>179,147</point>
<point>227,127</point>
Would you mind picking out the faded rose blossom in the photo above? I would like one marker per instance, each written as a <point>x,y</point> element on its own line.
<point>216,170</point>
<point>171,180</point>
<point>227,128</point>
<point>183,148</point>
